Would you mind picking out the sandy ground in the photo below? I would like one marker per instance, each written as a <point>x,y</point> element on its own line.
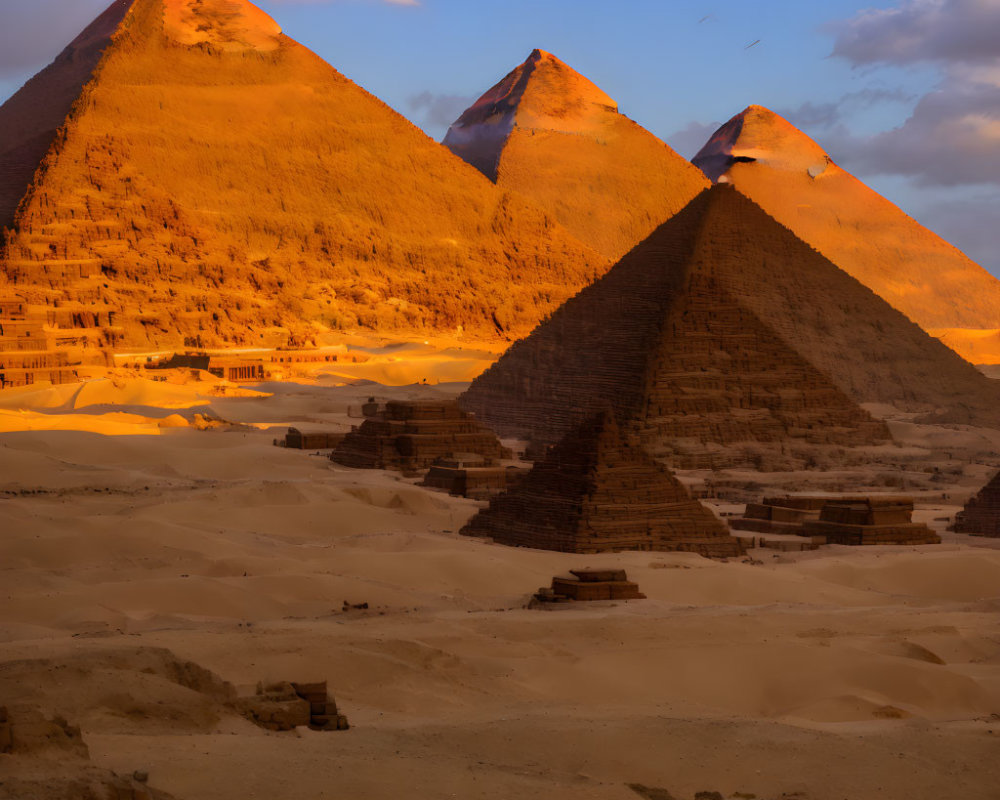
<point>841,674</point>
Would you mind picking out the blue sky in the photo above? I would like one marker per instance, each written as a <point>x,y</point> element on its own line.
<point>904,93</point>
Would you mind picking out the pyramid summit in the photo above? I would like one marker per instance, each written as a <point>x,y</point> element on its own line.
<point>791,177</point>
<point>550,134</point>
<point>723,335</point>
<point>215,183</point>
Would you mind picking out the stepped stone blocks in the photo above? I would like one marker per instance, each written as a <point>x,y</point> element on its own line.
<point>779,514</point>
<point>589,585</point>
<point>291,207</point>
<point>28,353</point>
<point>312,440</point>
<point>465,475</point>
<point>285,706</point>
<point>722,335</point>
<point>597,491</point>
<point>549,134</point>
<point>411,435</point>
<point>981,515</point>
<point>869,521</point>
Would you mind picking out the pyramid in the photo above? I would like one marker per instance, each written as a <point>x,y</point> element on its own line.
<point>723,328</point>
<point>597,492</point>
<point>548,133</point>
<point>788,175</point>
<point>215,183</point>
<point>981,515</point>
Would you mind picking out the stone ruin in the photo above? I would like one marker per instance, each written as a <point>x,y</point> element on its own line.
<point>599,491</point>
<point>869,521</point>
<point>28,353</point>
<point>46,758</point>
<point>297,439</point>
<point>981,515</point>
<point>828,519</point>
<point>586,585</point>
<point>284,706</point>
<point>782,515</point>
<point>411,435</point>
<point>465,475</point>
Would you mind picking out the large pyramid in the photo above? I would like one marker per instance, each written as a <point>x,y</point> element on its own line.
<point>549,133</point>
<point>788,175</point>
<point>723,328</point>
<point>214,182</point>
<point>597,492</point>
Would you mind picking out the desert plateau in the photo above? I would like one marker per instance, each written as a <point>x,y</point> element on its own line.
<point>514,449</point>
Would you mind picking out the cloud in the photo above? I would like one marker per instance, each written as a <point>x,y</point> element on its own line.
<point>921,31</point>
<point>438,110</point>
<point>953,134</point>
<point>690,139</point>
<point>826,115</point>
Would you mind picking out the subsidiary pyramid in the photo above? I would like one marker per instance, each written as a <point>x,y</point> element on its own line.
<point>788,175</point>
<point>216,183</point>
<point>720,329</point>
<point>597,492</point>
<point>550,134</point>
<point>981,515</point>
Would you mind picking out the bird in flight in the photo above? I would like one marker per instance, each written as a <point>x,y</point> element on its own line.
<point>752,44</point>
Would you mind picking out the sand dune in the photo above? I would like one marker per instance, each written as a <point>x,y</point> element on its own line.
<point>238,556</point>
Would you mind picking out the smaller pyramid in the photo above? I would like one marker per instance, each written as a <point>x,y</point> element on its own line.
<point>981,515</point>
<point>550,134</point>
<point>595,492</point>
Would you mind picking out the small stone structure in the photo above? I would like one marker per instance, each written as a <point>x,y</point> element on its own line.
<point>597,491</point>
<point>779,514</point>
<point>589,585</point>
<point>464,475</point>
<point>870,521</point>
<point>411,435</point>
<point>297,439</point>
<point>283,706</point>
<point>981,515</point>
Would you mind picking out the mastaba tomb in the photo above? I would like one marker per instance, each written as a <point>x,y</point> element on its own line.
<point>411,435</point>
<point>723,329</point>
<point>589,585</point>
<point>981,515</point>
<point>784,515</point>
<point>599,491</point>
<point>466,475</point>
<point>869,521</point>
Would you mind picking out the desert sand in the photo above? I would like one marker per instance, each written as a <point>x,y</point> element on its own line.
<point>840,673</point>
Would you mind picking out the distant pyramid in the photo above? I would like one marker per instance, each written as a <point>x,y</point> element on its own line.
<point>981,515</point>
<point>789,176</point>
<point>216,183</point>
<point>722,329</point>
<point>597,492</point>
<point>549,133</point>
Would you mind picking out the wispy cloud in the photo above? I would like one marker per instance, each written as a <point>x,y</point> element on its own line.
<point>438,110</point>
